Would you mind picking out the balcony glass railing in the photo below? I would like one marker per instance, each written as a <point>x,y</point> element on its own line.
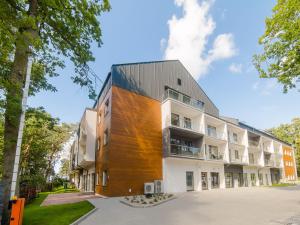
<point>217,135</point>
<point>269,162</point>
<point>253,143</point>
<point>184,99</point>
<point>181,123</point>
<point>211,156</point>
<point>181,150</point>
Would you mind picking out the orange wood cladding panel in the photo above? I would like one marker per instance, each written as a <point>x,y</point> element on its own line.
<point>135,143</point>
<point>289,170</point>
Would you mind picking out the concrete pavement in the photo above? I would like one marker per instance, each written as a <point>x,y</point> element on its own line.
<point>242,206</point>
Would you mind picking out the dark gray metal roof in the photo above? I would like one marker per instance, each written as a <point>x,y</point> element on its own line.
<point>151,78</point>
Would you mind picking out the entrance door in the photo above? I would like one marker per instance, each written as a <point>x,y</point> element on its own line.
<point>240,180</point>
<point>253,179</point>
<point>214,180</point>
<point>260,177</point>
<point>204,180</point>
<point>245,179</point>
<point>267,180</point>
<point>189,181</point>
<point>228,180</point>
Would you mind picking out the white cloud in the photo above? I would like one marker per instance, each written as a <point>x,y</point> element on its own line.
<point>235,68</point>
<point>189,35</point>
<point>265,87</point>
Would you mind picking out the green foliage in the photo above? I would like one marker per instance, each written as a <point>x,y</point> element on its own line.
<point>64,168</point>
<point>43,140</point>
<point>55,29</point>
<point>290,133</point>
<point>281,42</point>
<point>65,214</point>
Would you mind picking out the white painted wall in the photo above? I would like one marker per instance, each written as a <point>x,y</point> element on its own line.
<point>174,173</point>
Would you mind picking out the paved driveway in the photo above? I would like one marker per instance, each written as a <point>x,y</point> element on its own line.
<point>244,206</point>
<point>57,199</point>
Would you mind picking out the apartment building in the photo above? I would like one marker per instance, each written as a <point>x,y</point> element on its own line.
<point>82,155</point>
<point>154,122</point>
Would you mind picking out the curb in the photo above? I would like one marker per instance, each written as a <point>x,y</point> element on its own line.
<point>84,217</point>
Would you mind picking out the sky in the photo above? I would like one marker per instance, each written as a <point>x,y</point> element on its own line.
<point>215,40</point>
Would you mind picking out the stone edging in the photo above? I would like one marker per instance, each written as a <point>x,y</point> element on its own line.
<point>147,206</point>
<point>84,217</point>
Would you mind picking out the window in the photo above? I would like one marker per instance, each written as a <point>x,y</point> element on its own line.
<point>179,82</point>
<point>105,137</point>
<point>251,158</point>
<point>97,178</point>
<point>213,152</point>
<point>175,119</point>
<point>235,137</point>
<point>236,154</point>
<point>106,107</point>
<point>211,131</point>
<point>186,99</point>
<point>187,123</point>
<point>99,118</point>
<point>104,178</point>
<point>98,144</point>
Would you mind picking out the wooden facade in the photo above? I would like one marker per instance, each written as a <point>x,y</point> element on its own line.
<point>133,154</point>
<point>289,163</point>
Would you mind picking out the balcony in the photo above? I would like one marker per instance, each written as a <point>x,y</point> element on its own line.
<point>253,143</point>
<point>212,156</point>
<point>253,161</point>
<point>186,151</point>
<point>216,135</point>
<point>269,163</point>
<point>169,93</point>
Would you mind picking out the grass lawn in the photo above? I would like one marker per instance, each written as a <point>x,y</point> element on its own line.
<point>54,214</point>
<point>283,185</point>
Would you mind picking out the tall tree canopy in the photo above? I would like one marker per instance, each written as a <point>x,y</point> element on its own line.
<point>281,56</point>
<point>48,30</point>
<point>290,133</point>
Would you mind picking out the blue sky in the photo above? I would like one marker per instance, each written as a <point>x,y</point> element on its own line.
<point>139,31</point>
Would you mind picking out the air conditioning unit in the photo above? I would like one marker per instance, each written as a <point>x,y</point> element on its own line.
<point>158,186</point>
<point>148,188</point>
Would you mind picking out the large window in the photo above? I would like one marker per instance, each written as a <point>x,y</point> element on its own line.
<point>175,119</point>
<point>211,131</point>
<point>187,123</point>
<point>235,138</point>
<point>251,158</point>
<point>106,107</point>
<point>105,137</point>
<point>104,177</point>
<point>236,154</point>
<point>213,152</point>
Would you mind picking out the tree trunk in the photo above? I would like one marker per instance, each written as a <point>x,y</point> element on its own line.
<point>13,105</point>
<point>13,109</point>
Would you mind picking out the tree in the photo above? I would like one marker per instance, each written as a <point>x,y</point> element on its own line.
<point>290,133</point>
<point>64,168</point>
<point>48,30</point>
<point>43,140</point>
<point>281,56</point>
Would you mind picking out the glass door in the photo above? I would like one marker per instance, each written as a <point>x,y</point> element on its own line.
<point>214,180</point>
<point>228,180</point>
<point>240,180</point>
<point>189,181</point>
<point>204,180</point>
<point>253,179</point>
<point>245,175</point>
